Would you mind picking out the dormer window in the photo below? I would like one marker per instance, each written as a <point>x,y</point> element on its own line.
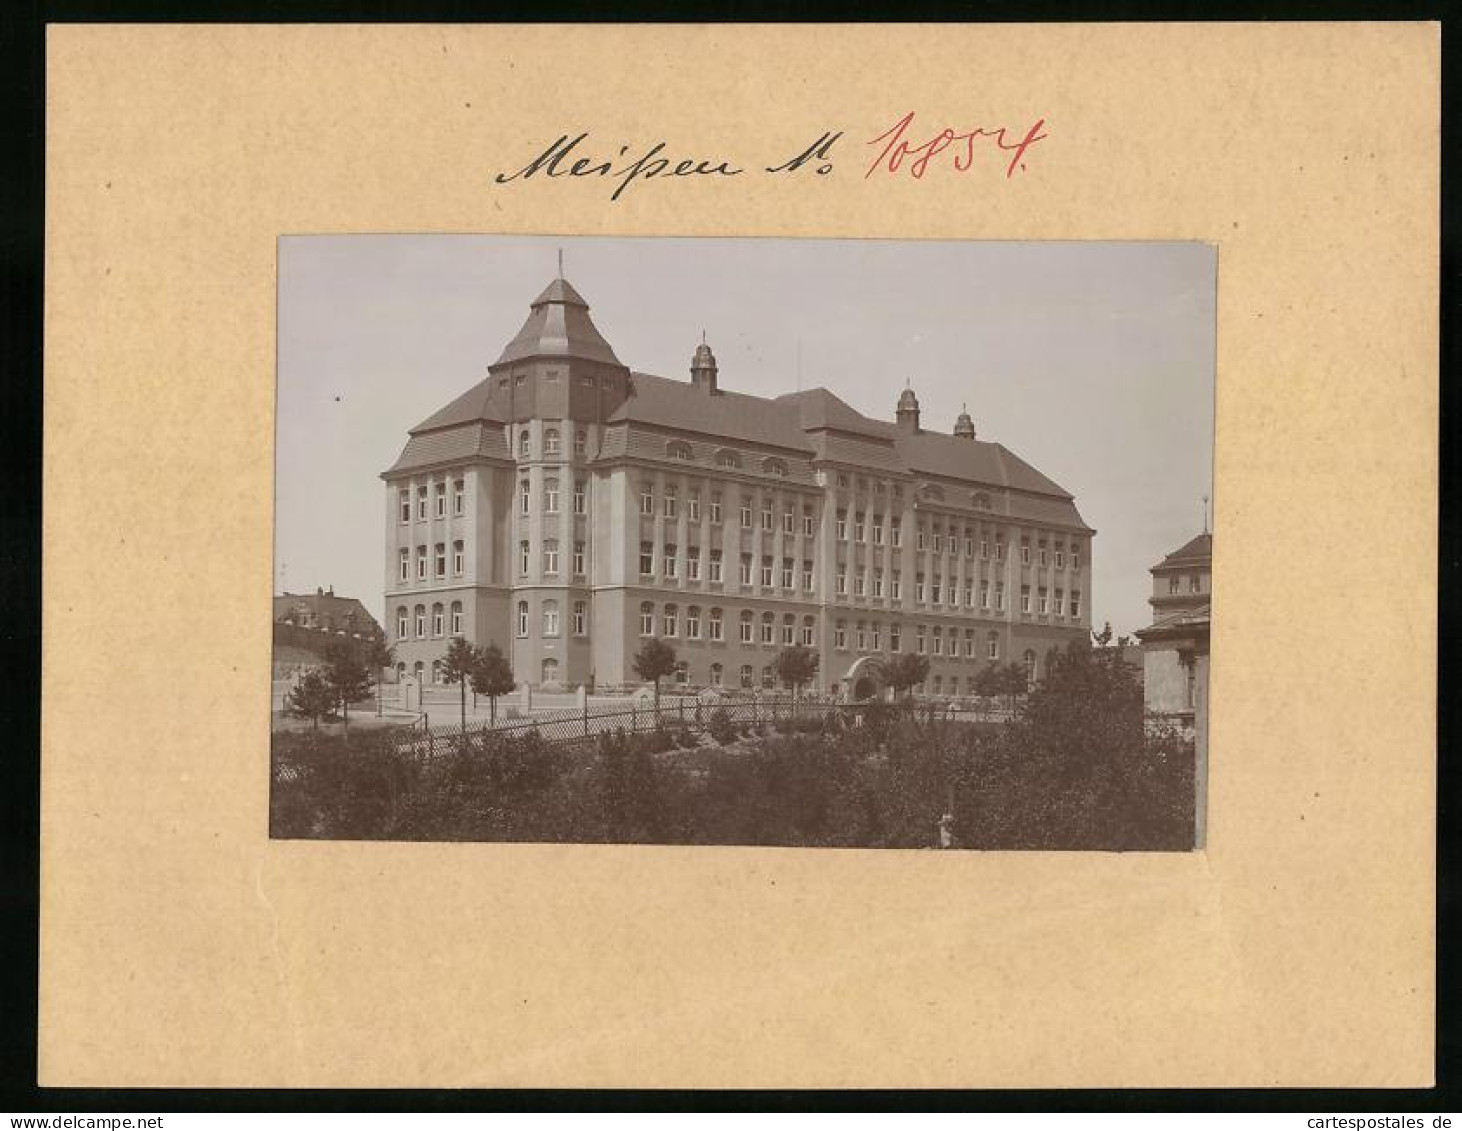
<point>981,501</point>
<point>679,449</point>
<point>774,467</point>
<point>727,458</point>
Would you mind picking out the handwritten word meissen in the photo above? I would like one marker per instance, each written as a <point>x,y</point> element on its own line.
<point>566,157</point>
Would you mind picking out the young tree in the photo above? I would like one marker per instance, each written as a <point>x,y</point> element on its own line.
<point>492,676</point>
<point>796,665</point>
<point>457,668</point>
<point>312,699</point>
<point>347,676</point>
<point>906,671</point>
<point>654,661</point>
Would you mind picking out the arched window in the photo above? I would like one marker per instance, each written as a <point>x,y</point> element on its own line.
<point>403,622</point>
<point>436,671</point>
<point>809,628</point>
<point>524,444</point>
<point>581,442</point>
<point>456,618</point>
<point>768,628</point>
<point>774,467</point>
<point>550,442</point>
<point>438,627</point>
<point>679,449</point>
<point>420,613</point>
<point>716,675</point>
<point>522,618</point>
<point>929,491</point>
<point>647,618</point>
<point>693,622</point>
<point>992,646</point>
<point>746,629</point>
<point>789,628</point>
<point>981,501</point>
<point>727,458</point>
<point>550,618</point>
<point>550,670</point>
<point>1030,665</point>
<point>670,620</point>
<point>417,670</point>
<point>400,672</point>
<point>717,625</point>
<point>745,675</point>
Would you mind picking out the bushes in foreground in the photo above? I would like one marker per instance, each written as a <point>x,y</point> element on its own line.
<point>887,783</point>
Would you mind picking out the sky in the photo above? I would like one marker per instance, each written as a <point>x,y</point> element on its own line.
<point>1094,362</point>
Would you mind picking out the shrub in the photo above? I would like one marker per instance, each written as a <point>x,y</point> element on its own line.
<point>720,726</point>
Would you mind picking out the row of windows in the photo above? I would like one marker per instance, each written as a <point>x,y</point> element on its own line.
<point>668,622</point>
<point>578,563</point>
<point>432,501</point>
<point>552,443</point>
<point>551,495</point>
<point>549,616</point>
<point>1195,584</point>
<point>437,559</point>
<point>725,457</point>
<point>439,623</point>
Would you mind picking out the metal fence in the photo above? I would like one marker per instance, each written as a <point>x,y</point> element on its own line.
<point>585,724</point>
<point>579,725</point>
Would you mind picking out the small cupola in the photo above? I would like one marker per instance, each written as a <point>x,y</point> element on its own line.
<point>908,410</point>
<point>964,426</point>
<point>703,368</point>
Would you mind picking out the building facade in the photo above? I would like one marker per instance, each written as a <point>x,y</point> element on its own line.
<point>1175,645</point>
<point>568,508</point>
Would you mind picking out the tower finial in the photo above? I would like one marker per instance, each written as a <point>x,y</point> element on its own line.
<point>1205,514</point>
<point>560,263</point>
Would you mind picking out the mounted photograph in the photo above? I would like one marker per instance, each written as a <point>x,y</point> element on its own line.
<point>797,543</point>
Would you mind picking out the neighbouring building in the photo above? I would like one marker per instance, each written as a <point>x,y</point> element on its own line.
<point>567,508</point>
<point>307,624</point>
<point>323,610</point>
<point>1175,653</point>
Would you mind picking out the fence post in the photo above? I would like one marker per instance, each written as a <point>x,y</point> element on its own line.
<point>586,717</point>
<point>634,716</point>
<point>682,710</point>
<point>755,708</point>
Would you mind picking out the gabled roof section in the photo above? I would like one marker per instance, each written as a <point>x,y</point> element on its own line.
<point>470,407</point>
<point>678,405</point>
<point>820,410</point>
<point>1198,550</point>
<point>559,325</point>
<point>955,457</point>
<point>477,440</point>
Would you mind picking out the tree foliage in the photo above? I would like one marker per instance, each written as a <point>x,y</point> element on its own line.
<point>796,666</point>
<point>457,667</point>
<point>348,676</point>
<point>905,671</point>
<point>312,698</point>
<point>653,662</point>
<point>492,676</point>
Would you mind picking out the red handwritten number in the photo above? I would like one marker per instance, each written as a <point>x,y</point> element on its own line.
<point>892,156</point>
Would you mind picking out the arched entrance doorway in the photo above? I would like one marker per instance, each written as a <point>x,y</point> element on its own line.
<point>864,679</point>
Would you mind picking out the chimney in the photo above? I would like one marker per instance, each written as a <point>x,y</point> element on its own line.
<point>703,368</point>
<point>319,591</point>
<point>908,411</point>
<point>330,592</point>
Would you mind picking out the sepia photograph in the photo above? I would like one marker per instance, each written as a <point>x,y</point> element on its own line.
<point>798,543</point>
